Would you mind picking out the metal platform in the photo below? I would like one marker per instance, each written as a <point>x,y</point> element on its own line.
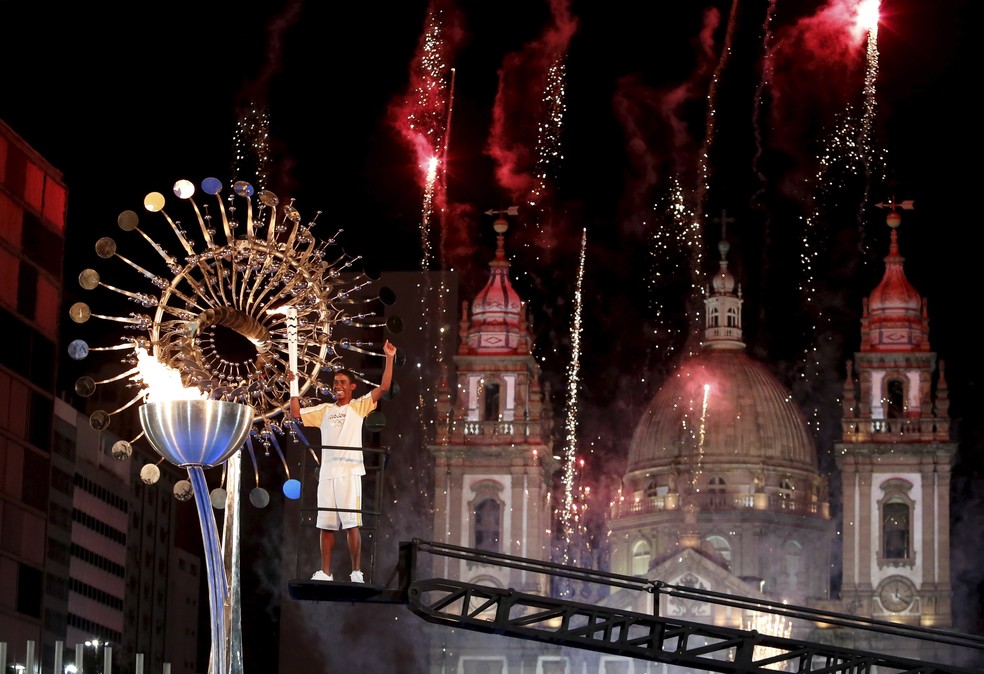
<point>604,629</point>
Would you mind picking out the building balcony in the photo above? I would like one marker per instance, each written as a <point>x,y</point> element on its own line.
<point>723,502</point>
<point>918,429</point>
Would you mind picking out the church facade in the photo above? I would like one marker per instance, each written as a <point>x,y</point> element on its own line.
<point>722,490</point>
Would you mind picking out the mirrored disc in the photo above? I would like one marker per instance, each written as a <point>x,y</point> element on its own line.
<point>394,324</point>
<point>183,491</point>
<point>150,473</point>
<point>218,498</point>
<point>85,386</point>
<point>79,312</point>
<point>268,198</point>
<point>211,186</point>
<point>292,489</point>
<point>78,349</point>
<point>106,247</point>
<point>375,421</point>
<point>394,391</point>
<point>154,202</point>
<point>184,189</point>
<point>122,450</point>
<point>242,188</point>
<point>89,279</point>
<point>387,296</point>
<point>99,420</point>
<point>259,497</point>
<point>400,358</point>
<point>128,221</point>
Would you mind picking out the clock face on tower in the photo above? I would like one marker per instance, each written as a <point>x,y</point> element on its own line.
<point>896,593</point>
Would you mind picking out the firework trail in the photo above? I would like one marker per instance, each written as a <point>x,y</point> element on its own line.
<point>573,375</point>
<point>768,64</point>
<point>537,74</point>
<point>251,146</point>
<point>251,138</point>
<point>704,175</point>
<point>827,47</point>
<point>669,277</point>
<point>868,16</point>
<point>422,115</point>
<point>672,230</point>
<point>701,435</point>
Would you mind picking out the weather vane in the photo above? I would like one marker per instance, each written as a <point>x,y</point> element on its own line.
<point>894,218</point>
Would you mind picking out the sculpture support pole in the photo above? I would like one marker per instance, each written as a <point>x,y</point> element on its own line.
<point>193,434</point>
<point>231,551</point>
<point>218,587</point>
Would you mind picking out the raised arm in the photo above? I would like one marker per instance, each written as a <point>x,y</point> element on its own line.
<point>384,385</point>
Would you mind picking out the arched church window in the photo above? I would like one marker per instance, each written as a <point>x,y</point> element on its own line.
<point>490,410</point>
<point>896,524</point>
<point>714,318</point>
<point>895,398</point>
<point>895,530</point>
<point>487,525</point>
<point>486,509</point>
<point>720,545</point>
<point>732,317</point>
<point>641,556</point>
<point>793,560</point>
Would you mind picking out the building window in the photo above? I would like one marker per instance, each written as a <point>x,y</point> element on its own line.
<point>487,522</point>
<point>792,563</point>
<point>716,495</point>
<point>487,509</point>
<point>472,665</point>
<point>895,398</point>
<point>720,545</point>
<point>490,411</point>
<point>786,492</point>
<point>895,530</point>
<point>641,556</point>
<point>895,523</point>
<point>29,590</point>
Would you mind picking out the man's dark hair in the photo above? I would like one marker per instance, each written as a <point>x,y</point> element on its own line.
<point>348,373</point>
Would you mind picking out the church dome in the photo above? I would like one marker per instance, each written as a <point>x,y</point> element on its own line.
<point>721,406</point>
<point>725,426</point>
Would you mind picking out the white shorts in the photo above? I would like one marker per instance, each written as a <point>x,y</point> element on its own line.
<point>343,493</point>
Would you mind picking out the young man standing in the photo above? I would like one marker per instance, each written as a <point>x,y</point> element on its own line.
<point>340,476</point>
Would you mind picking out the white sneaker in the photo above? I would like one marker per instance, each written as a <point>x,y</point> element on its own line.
<point>321,575</point>
<point>357,577</point>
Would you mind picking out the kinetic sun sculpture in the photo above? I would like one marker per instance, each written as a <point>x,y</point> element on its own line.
<point>239,323</point>
<point>221,317</point>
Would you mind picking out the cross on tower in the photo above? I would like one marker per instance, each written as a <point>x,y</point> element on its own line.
<point>724,220</point>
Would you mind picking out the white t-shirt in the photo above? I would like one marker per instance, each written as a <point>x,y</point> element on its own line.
<point>341,426</point>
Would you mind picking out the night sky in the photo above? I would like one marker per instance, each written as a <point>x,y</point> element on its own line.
<point>128,102</point>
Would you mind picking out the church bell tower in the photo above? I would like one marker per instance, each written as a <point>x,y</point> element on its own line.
<point>895,458</point>
<point>493,458</point>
